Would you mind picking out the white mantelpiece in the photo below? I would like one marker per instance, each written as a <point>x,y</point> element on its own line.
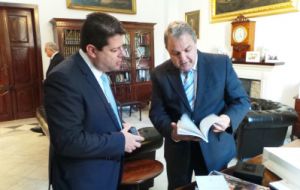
<point>265,74</point>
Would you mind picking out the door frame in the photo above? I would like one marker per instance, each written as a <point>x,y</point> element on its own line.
<point>37,42</point>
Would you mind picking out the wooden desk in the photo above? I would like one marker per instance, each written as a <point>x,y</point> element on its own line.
<point>268,175</point>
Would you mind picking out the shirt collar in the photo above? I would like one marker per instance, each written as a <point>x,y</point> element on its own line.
<point>97,73</point>
<point>53,55</point>
<point>196,62</point>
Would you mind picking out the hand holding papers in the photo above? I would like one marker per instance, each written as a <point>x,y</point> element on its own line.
<point>187,127</point>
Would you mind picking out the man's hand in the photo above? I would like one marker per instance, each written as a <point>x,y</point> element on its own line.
<point>178,138</point>
<point>222,125</point>
<point>131,141</point>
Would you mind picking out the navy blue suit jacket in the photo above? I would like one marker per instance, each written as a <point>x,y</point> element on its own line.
<point>88,146</point>
<point>218,91</point>
<point>58,58</point>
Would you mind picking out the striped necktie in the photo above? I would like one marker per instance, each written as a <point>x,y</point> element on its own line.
<point>188,85</point>
<point>109,96</point>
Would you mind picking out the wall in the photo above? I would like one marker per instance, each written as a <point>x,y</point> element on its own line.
<point>277,33</point>
<point>147,11</point>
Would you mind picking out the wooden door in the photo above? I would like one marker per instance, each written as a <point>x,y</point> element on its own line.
<point>20,66</point>
<point>6,109</point>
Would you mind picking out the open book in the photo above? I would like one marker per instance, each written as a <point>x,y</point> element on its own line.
<point>185,126</point>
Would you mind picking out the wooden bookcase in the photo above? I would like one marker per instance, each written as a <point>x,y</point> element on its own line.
<point>132,82</point>
<point>67,34</point>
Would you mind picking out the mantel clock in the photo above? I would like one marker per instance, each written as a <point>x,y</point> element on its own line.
<point>242,37</point>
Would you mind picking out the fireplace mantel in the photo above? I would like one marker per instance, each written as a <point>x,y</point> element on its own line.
<point>258,64</point>
<point>266,74</point>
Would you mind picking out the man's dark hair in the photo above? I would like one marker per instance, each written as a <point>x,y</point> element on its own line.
<point>97,28</point>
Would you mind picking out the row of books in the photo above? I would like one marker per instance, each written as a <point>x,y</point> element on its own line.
<point>122,77</point>
<point>143,75</point>
<point>142,39</point>
<point>69,50</point>
<point>72,37</point>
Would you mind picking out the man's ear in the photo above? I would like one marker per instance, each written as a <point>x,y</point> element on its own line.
<point>91,51</point>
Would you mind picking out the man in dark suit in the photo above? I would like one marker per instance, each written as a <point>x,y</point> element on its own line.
<point>86,134</point>
<point>215,89</point>
<point>51,50</point>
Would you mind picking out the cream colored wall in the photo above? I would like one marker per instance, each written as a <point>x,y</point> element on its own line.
<point>155,11</point>
<point>277,33</point>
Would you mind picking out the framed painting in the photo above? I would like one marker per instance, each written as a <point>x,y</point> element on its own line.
<point>193,19</point>
<point>223,10</point>
<point>115,6</point>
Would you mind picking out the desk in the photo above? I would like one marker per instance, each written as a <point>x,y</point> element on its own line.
<point>268,175</point>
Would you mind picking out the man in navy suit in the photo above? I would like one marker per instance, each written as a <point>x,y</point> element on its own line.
<point>86,135</point>
<point>215,90</point>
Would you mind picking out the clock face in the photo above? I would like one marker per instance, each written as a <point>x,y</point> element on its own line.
<point>239,34</point>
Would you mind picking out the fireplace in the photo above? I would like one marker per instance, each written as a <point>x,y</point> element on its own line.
<point>252,87</point>
<point>260,81</point>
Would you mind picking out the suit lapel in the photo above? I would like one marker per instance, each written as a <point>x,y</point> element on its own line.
<point>201,79</point>
<point>173,76</point>
<point>95,85</point>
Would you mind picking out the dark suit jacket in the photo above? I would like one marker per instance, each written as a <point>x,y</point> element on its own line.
<point>218,91</point>
<point>88,146</point>
<point>54,61</point>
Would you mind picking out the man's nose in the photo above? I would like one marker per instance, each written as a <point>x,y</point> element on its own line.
<point>182,57</point>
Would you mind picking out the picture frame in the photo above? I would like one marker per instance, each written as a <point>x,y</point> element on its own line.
<point>114,6</point>
<point>253,56</point>
<point>222,10</point>
<point>193,19</point>
<point>271,58</point>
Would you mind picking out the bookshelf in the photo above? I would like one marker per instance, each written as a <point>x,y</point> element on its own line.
<point>132,81</point>
<point>67,34</point>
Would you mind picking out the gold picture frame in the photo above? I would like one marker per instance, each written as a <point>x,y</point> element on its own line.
<point>224,10</point>
<point>115,6</point>
<point>193,19</point>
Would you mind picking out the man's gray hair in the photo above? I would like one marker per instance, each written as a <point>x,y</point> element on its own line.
<point>52,46</point>
<point>178,28</point>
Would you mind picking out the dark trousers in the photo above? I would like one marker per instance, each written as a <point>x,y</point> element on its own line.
<point>179,177</point>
